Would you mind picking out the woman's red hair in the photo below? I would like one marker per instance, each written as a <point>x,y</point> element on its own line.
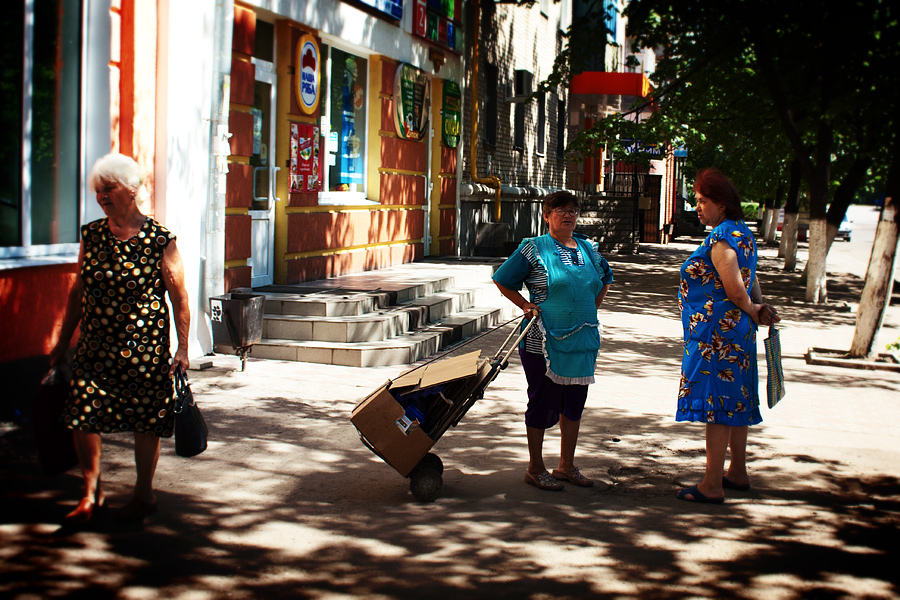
<point>711,184</point>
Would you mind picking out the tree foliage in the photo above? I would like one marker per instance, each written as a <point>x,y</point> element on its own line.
<point>747,86</point>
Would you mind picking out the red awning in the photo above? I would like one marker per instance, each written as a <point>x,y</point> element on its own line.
<point>611,84</point>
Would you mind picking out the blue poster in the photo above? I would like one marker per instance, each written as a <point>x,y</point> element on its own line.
<point>351,145</point>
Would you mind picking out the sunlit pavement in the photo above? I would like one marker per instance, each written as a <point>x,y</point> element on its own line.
<point>287,502</point>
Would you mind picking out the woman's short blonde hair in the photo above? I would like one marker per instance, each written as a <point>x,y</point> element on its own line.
<point>115,168</point>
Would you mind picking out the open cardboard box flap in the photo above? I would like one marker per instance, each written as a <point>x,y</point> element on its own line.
<point>376,416</point>
<point>441,371</point>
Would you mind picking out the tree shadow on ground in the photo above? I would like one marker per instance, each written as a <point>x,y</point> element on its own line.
<point>353,529</point>
<point>288,502</point>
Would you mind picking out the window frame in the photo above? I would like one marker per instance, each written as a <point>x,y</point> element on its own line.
<point>28,253</point>
<point>519,126</point>
<point>325,196</point>
<point>540,148</point>
<point>561,126</point>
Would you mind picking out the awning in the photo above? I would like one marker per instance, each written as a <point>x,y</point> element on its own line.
<point>611,84</point>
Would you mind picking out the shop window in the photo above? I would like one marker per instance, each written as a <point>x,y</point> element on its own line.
<point>344,113</point>
<point>264,41</point>
<point>612,13</point>
<point>40,145</point>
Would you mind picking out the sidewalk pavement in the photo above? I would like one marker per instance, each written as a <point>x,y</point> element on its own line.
<point>287,502</point>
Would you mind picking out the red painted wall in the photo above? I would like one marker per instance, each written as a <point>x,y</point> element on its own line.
<point>312,232</point>
<point>239,180</point>
<point>357,228</point>
<point>240,123</point>
<point>449,158</point>
<point>32,305</point>
<point>320,267</point>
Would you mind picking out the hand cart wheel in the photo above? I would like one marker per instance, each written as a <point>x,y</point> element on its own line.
<point>426,484</point>
<point>431,461</point>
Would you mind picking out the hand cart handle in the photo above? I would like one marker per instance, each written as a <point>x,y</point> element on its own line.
<point>505,360</point>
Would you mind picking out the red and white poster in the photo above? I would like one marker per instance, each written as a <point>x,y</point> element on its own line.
<point>304,158</point>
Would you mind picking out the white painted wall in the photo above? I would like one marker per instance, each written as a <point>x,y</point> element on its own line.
<point>181,204</point>
<point>96,130</point>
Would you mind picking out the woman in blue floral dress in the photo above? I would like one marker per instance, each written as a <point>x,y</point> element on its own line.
<point>721,308</point>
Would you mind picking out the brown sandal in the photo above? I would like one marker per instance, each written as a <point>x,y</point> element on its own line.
<point>543,481</point>
<point>574,477</point>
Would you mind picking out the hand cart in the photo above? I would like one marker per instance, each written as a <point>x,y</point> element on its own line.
<point>406,416</point>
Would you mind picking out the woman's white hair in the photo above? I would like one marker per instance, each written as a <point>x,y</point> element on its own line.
<point>115,168</point>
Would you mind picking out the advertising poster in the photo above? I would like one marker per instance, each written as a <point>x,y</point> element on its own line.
<point>304,157</point>
<point>352,100</point>
<point>412,102</point>
<point>450,126</point>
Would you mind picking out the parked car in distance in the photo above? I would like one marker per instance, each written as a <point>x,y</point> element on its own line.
<point>802,224</point>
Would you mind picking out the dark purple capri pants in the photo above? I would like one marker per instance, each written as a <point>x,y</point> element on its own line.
<point>546,398</point>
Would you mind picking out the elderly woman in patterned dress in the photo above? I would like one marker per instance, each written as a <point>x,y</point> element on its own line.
<point>721,307</point>
<point>122,371</point>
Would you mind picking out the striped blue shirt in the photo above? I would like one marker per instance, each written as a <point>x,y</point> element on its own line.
<point>524,266</point>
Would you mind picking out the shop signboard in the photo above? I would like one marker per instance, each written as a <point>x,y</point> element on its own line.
<point>435,20</point>
<point>450,114</point>
<point>308,80</point>
<point>412,102</point>
<point>389,8</point>
<point>652,150</point>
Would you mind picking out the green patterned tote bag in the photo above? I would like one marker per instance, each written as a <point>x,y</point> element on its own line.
<point>775,379</point>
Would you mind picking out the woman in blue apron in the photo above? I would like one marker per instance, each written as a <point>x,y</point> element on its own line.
<point>567,280</point>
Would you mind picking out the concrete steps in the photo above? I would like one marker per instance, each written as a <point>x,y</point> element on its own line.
<point>392,316</point>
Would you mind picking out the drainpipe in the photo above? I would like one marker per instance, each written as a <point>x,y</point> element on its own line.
<point>491,181</point>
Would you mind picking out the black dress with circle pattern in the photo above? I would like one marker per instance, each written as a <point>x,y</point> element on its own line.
<point>121,379</point>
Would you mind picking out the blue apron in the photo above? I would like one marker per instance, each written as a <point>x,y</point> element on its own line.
<point>569,314</point>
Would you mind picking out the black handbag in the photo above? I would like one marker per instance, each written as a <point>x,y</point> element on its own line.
<point>191,432</point>
<point>53,440</point>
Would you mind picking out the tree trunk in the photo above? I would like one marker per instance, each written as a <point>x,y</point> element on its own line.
<point>765,212</point>
<point>770,226</point>
<point>877,291</point>
<point>771,217</point>
<point>818,174</point>
<point>788,248</point>
<point>789,240</point>
<point>816,290</point>
<point>853,179</point>
<point>880,274</point>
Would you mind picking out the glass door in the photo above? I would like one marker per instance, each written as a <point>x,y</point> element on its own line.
<point>262,208</point>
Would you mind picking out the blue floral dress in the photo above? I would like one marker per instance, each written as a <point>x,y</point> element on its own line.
<point>719,377</point>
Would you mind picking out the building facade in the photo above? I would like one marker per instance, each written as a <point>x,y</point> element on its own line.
<point>281,141</point>
<point>519,139</point>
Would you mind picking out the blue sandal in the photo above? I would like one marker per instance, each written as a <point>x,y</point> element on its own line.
<point>697,496</point>
<point>730,485</point>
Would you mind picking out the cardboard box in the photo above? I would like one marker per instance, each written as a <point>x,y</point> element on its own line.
<point>379,417</point>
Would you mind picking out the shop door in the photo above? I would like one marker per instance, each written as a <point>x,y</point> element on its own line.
<point>262,208</point>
